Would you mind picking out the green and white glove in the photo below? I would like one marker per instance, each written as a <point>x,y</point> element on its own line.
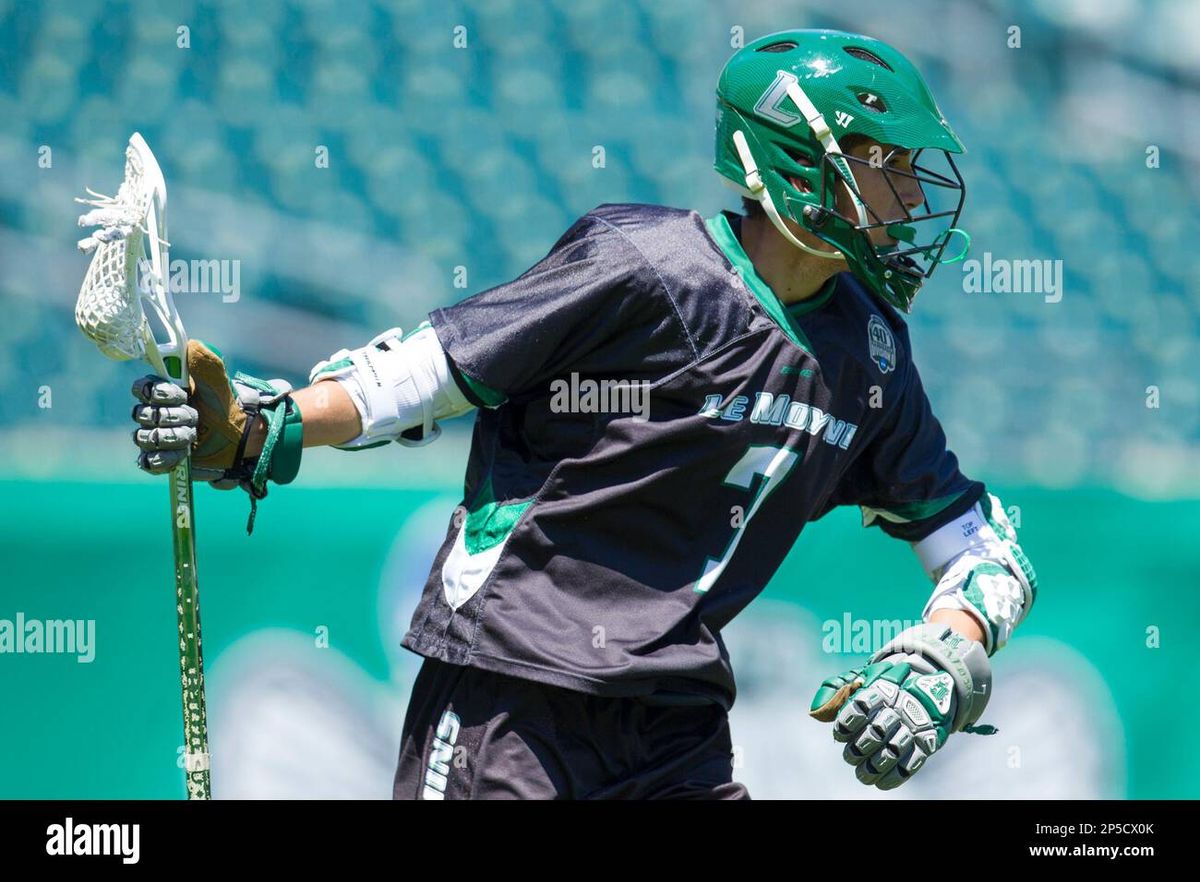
<point>896,711</point>
<point>213,421</point>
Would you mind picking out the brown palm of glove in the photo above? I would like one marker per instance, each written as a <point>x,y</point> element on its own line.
<point>210,420</point>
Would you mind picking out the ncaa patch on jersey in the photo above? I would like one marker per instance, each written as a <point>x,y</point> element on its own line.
<point>882,343</point>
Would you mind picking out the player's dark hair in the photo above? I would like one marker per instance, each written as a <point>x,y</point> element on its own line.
<point>751,207</point>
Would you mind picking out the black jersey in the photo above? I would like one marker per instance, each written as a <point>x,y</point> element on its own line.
<point>655,431</point>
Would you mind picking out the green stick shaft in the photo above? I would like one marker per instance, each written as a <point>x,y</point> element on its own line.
<point>191,658</point>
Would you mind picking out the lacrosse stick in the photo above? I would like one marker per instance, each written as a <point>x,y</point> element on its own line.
<point>129,269</point>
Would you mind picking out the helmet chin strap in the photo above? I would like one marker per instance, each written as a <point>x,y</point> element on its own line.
<point>759,191</point>
<point>824,135</point>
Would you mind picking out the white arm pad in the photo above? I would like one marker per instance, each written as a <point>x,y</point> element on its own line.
<point>979,568</point>
<point>396,385</point>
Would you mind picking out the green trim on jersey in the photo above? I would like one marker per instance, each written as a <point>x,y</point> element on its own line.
<point>909,511</point>
<point>812,304</point>
<point>490,522</point>
<point>722,234</point>
<point>489,396</point>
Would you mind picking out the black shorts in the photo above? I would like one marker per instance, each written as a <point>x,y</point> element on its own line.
<point>474,734</point>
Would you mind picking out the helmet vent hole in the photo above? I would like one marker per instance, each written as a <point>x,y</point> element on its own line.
<point>867,55</point>
<point>801,159</point>
<point>784,46</point>
<point>872,101</point>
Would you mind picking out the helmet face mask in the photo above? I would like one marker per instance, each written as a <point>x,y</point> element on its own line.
<point>920,235</point>
<point>784,100</point>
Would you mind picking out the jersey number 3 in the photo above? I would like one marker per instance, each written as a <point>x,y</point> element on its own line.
<point>774,464</point>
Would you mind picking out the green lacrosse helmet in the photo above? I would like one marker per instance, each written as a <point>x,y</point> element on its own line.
<point>783,103</point>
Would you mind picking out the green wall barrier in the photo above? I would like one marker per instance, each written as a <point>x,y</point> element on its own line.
<point>1120,586</point>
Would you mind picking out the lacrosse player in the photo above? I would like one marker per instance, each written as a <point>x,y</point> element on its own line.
<point>571,623</point>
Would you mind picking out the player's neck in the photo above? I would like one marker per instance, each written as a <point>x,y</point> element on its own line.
<point>791,273</point>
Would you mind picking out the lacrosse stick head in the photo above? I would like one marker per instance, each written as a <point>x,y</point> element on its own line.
<point>129,269</point>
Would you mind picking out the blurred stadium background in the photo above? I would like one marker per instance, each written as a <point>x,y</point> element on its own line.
<point>479,157</point>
